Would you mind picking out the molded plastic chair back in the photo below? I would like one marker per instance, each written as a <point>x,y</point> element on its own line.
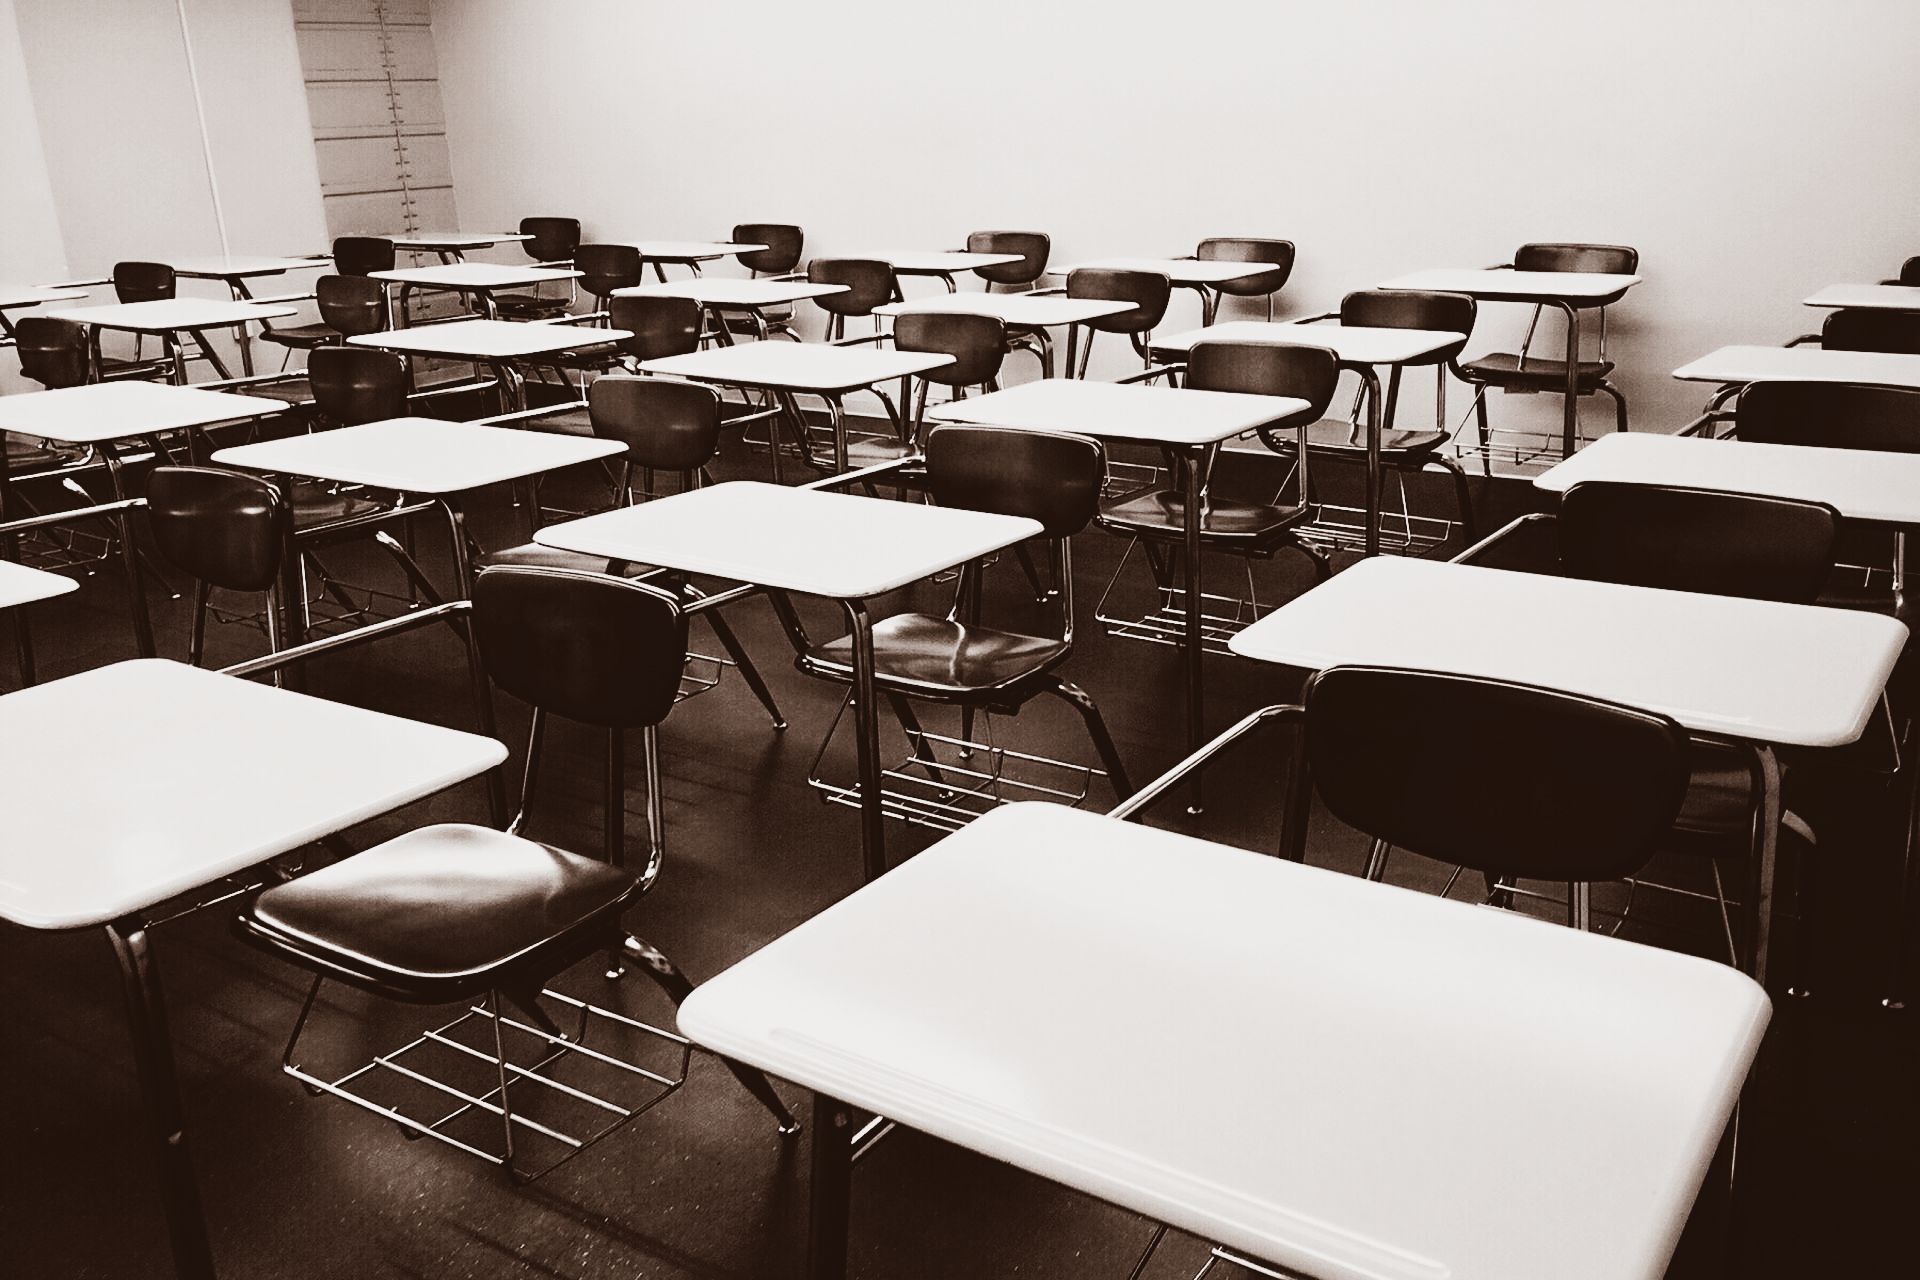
<point>782,254</point>
<point>352,385</point>
<point>1870,329</point>
<point>661,327</point>
<point>1910,271</point>
<point>1148,291</point>
<point>978,344</point>
<point>1605,259</point>
<point>351,304</point>
<point>869,284</point>
<point>1044,476</point>
<point>669,425</point>
<point>1245,249</point>
<point>142,281</point>
<point>1265,369</point>
<point>1704,540</point>
<point>1498,777</point>
<point>598,649</point>
<point>229,529</point>
<point>52,352</point>
<point>554,239</point>
<point>1836,415</point>
<point>606,267</point>
<point>1413,309</point>
<point>362,255</point>
<point>1034,247</point>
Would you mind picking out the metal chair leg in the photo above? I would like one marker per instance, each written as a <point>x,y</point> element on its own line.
<point>656,808</point>
<point>197,633</point>
<point>744,664</point>
<point>1079,699</point>
<point>1463,494</point>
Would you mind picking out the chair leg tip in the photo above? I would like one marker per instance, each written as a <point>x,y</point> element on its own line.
<point>790,1128</point>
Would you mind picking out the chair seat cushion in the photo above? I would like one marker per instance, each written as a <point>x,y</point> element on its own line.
<point>533,555</point>
<point>443,913</point>
<point>1503,369</point>
<point>936,657</point>
<point>1339,436</point>
<point>303,336</point>
<point>295,391</point>
<point>27,452</point>
<point>317,504</point>
<point>1162,513</point>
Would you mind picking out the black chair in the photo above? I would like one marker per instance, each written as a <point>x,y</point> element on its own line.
<point>780,260</point>
<point>955,660</point>
<point>1871,329</point>
<point>52,352</point>
<point>1148,291</point>
<point>870,283</point>
<point>225,529</point>
<point>1034,247</point>
<point>353,385</point>
<point>1909,272</point>
<point>661,327</point>
<point>553,244</point>
<point>454,913</point>
<point>1244,249</point>
<point>135,282</point>
<point>606,267</point>
<point>977,343</point>
<point>362,255</point>
<point>1524,371</point>
<point>349,306</point>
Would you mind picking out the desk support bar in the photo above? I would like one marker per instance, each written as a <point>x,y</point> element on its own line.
<point>1139,800</point>
<point>347,639</point>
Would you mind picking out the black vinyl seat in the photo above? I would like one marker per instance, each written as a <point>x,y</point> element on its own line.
<point>1149,293</point>
<point>1034,248</point>
<point>870,283</point>
<point>362,255</point>
<point>780,260</point>
<point>1267,284</point>
<point>554,243</point>
<point>349,306</point>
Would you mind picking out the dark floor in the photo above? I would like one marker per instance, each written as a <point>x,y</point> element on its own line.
<point>702,1186</point>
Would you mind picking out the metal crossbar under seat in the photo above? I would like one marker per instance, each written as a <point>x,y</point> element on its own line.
<point>1164,621</point>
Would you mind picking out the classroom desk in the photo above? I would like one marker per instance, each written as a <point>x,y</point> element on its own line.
<point>1202,275</point>
<point>20,584</point>
<point>837,546</point>
<point>1736,366</point>
<point>169,318</point>
<point>1874,297</point>
<point>1190,425</point>
<point>684,253</point>
<point>18,297</point>
<point>132,784</point>
<point>940,264</point>
<point>753,297</point>
<point>452,246</point>
<point>1569,291</point>
<point>1764,673</point>
<point>1360,348</point>
<point>1033,313</point>
<point>482,279</point>
<point>1328,1074</point>
<point>791,369</point>
<point>497,344</point>
<point>234,272</point>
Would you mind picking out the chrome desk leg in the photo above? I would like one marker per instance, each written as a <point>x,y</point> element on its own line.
<point>1570,420</point>
<point>482,690</point>
<point>1766,900</point>
<point>830,1189</point>
<point>1371,378</point>
<point>873,850</point>
<point>1196,466</point>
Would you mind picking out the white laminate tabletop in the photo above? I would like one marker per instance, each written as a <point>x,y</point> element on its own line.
<point>34,295</point>
<point>1020,310</point>
<point>480,276</point>
<point>102,411</point>
<point>1795,675</point>
<point>1121,411</point>
<point>1323,1072</point>
<point>419,455</point>
<point>797,366</point>
<point>451,240</point>
<point>1877,297</point>
<point>242,268</point>
<point>171,315</point>
<point>838,545</point>
<point>1181,271</point>
<point>1860,484</point>
<point>1355,344</point>
<point>22,584</point>
<point>718,291</point>
<point>689,250</point>
<point>1802,364</point>
<point>490,339</point>
<point>935,262</point>
<point>1502,284</point>
<point>130,783</point>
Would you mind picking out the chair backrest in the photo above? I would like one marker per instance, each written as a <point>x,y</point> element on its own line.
<point>661,327</point>
<point>782,254</point>
<point>142,281</point>
<point>1148,291</point>
<point>1034,247</point>
<point>362,255</point>
<point>1871,329</point>
<point>351,304</point>
<point>977,344</point>
<point>1606,259</point>
<point>590,647</point>
<point>1265,369</point>
<point>1910,271</point>
<point>554,239</point>
<point>606,267</point>
<point>1836,415</point>
<point>352,385</point>
<point>228,529</point>
<point>1044,476</point>
<point>1248,249</point>
<point>1704,540</point>
<point>1498,777</point>
<point>869,284</point>
<point>52,352</point>
<point>1413,309</point>
<point>666,424</point>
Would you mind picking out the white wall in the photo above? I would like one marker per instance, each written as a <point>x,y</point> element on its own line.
<point>31,251</point>
<point>1751,152</point>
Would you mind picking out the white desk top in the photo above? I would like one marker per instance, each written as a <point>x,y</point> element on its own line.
<point>797,366</point>
<point>128,784</point>
<point>1181,271</point>
<point>934,262</point>
<point>838,545</point>
<point>419,455</point>
<point>21,584</point>
<point>1121,411</point>
<point>33,295</point>
<point>1788,674</point>
<point>451,240</point>
<point>171,315</point>
<point>1355,344</point>
<point>1802,364</point>
<point>242,268</point>
<point>1860,484</point>
<point>102,411</point>
<point>1501,284</point>
<point>1021,310</point>
<point>1329,1074</point>
<point>490,339</point>
<point>1879,297</point>
<point>717,291</point>
<point>482,276</point>
<point>689,250</point>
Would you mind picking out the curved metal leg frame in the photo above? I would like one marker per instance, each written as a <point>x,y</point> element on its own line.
<point>1079,699</point>
<point>744,664</point>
